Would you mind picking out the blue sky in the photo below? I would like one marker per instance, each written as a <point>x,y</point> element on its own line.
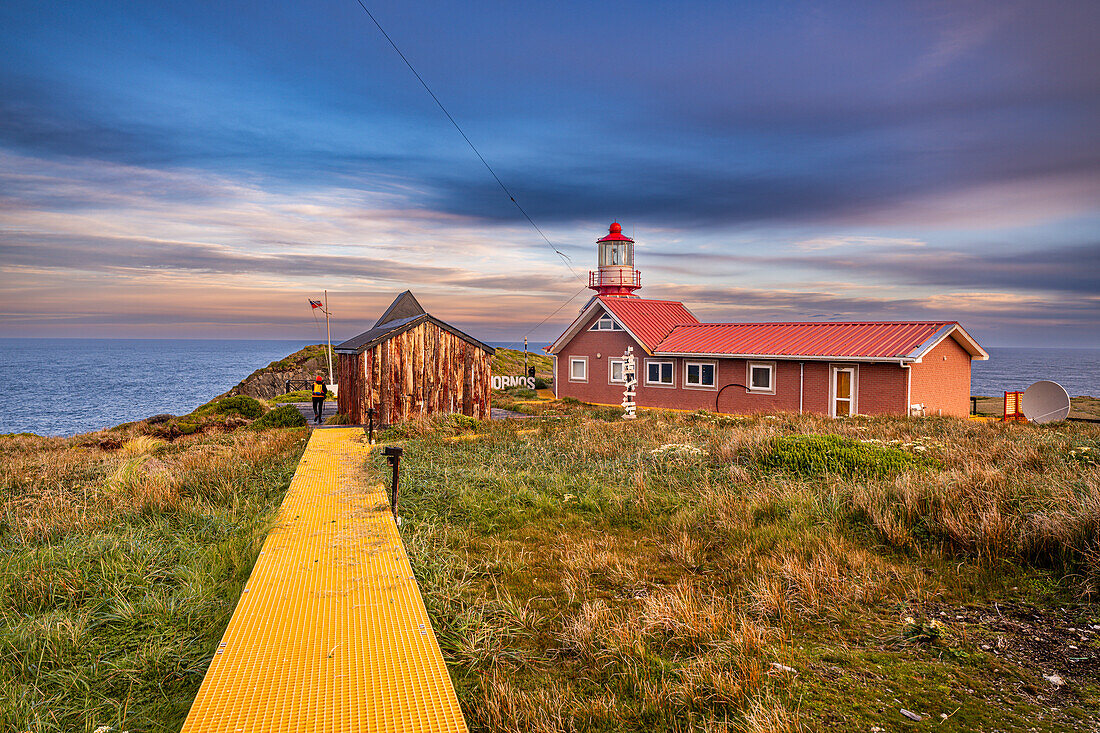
<point>200,169</point>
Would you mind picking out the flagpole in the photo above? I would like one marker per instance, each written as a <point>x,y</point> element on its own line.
<point>328,329</point>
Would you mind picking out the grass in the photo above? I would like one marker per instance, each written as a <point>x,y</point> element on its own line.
<point>121,567</point>
<point>509,362</point>
<point>286,416</point>
<point>681,572</point>
<point>821,456</point>
<point>242,405</point>
<point>702,572</point>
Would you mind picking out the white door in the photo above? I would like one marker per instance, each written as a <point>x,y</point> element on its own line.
<point>843,401</point>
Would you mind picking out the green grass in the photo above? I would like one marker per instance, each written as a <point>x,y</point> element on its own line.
<point>509,362</point>
<point>587,573</point>
<point>121,569</point>
<point>242,405</point>
<point>603,575</point>
<point>286,416</point>
<point>819,456</point>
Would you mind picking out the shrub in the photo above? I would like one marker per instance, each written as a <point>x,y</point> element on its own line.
<point>338,419</point>
<point>239,404</point>
<point>522,393</point>
<point>286,416</point>
<point>541,383</point>
<point>924,632</point>
<point>465,422</point>
<point>817,455</point>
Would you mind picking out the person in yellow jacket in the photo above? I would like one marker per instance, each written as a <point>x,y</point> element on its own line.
<point>318,399</point>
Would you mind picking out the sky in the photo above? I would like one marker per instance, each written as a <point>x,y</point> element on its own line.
<point>200,169</point>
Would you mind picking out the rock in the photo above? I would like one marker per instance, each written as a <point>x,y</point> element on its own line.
<point>784,668</point>
<point>911,715</point>
<point>1054,679</point>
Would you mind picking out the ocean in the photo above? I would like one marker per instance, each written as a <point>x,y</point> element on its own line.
<point>70,386</point>
<point>1078,370</point>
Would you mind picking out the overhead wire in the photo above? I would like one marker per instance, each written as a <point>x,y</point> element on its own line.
<point>559,253</point>
<point>556,310</point>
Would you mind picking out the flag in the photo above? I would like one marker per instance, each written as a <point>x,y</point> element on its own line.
<point>315,303</point>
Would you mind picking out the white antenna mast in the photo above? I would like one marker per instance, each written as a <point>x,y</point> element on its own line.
<point>328,333</point>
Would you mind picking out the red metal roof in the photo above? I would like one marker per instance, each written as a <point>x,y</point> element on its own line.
<point>615,234</point>
<point>649,320</point>
<point>862,340</point>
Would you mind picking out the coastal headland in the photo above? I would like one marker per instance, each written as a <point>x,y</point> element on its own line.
<point>686,570</point>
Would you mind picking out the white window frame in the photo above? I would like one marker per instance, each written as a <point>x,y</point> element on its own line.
<point>853,406</point>
<point>578,359</point>
<point>701,364</point>
<point>672,371</point>
<point>611,370</point>
<point>598,327</point>
<point>770,366</point>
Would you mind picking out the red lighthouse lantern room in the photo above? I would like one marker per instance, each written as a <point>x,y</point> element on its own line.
<point>616,275</point>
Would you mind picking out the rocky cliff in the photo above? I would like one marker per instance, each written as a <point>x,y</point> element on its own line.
<point>302,365</point>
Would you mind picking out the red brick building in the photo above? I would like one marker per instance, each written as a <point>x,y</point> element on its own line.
<point>821,367</point>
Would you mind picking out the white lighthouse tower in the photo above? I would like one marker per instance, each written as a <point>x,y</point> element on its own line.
<point>615,275</point>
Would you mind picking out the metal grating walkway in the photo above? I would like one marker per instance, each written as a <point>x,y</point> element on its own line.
<point>330,633</point>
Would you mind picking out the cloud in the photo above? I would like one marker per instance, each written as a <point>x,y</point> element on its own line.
<point>960,35</point>
<point>1067,269</point>
<point>844,242</point>
<point>1071,269</point>
<point>857,162</point>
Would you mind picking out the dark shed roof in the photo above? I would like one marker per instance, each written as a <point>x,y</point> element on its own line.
<point>405,312</point>
<point>403,307</point>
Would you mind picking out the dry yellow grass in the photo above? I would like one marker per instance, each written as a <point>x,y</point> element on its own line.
<point>594,574</point>
<point>123,557</point>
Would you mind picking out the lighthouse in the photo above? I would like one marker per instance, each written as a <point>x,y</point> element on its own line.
<point>615,275</point>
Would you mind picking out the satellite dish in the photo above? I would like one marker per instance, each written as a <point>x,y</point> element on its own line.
<point>1044,402</point>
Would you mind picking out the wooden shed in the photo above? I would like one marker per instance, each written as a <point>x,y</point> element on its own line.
<point>409,364</point>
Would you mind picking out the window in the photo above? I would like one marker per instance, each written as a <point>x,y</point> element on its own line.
<point>699,374</point>
<point>578,369</point>
<point>616,371</point>
<point>762,377</point>
<point>606,323</point>
<point>659,373</point>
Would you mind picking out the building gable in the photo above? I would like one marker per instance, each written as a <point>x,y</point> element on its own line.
<point>646,321</point>
<point>403,307</point>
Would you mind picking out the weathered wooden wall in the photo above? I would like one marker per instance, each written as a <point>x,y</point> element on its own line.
<point>423,371</point>
<point>349,396</point>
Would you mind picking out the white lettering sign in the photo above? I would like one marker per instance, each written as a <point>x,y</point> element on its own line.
<point>505,382</point>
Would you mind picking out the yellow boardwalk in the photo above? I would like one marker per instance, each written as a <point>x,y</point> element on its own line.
<point>330,633</point>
